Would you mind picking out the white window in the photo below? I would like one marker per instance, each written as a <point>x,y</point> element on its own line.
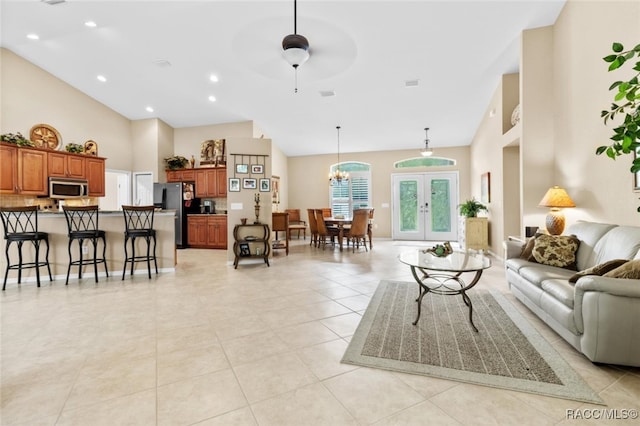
<point>353,193</point>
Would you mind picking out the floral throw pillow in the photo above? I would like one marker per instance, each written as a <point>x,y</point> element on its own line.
<point>556,250</point>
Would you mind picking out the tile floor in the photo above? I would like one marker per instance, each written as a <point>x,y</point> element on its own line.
<point>210,345</point>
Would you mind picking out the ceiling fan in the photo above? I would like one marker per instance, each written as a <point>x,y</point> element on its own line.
<point>295,47</point>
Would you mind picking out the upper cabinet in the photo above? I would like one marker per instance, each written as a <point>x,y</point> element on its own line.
<point>67,165</point>
<point>210,181</point>
<point>95,176</point>
<point>184,175</point>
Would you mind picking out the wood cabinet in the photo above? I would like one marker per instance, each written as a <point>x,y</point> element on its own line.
<point>474,233</point>
<point>95,176</point>
<point>188,175</point>
<point>24,171</point>
<point>9,169</point>
<point>66,165</point>
<point>210,182</point>
<point>207,231</point>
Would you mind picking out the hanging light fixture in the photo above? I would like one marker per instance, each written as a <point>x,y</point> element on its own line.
<point>295,47</point>
<point>426,151</point>
<point>337,175</point>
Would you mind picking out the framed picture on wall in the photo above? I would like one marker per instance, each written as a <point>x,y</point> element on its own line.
<point>242,168</point>
<point>265,185</point>
<point>249,183</point>
<point>234,184</point>
<point>485,187</point>
<point>257,169</point>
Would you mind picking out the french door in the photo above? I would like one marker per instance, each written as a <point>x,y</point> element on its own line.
<point>425,206</point>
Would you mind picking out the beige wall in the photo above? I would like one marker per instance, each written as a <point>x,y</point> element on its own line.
<point>153,141</point>
<point>309,183</point>
<point>188,140</point>
<point>31,95</point>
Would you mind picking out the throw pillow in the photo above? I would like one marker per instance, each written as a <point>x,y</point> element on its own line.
<point>600,269</point>
<point>631,270</point>
<point>527,249</point>
<point>556,250</point>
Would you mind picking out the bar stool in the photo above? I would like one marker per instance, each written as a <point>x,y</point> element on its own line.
<point>21,225</point>
<point>138,221</point>
<point>82,224</point>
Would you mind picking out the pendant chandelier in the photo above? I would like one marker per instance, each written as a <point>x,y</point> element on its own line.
<point>295,47</point>
<point>338,175</point>
<point>426,151</point>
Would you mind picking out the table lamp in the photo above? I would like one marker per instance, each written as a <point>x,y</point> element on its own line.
<point>556,198</point>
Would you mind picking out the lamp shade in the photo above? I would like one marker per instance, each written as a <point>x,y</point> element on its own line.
<point>556,197</point>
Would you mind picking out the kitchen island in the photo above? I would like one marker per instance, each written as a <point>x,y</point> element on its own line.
<point>112,222</point>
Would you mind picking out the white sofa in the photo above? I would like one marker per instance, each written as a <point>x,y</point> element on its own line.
<point>599,316</point>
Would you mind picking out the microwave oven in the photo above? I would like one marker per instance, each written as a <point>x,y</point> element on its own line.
<point>68,188</point>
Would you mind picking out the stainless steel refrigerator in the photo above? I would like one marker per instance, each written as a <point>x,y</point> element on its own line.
<point>178,196</point>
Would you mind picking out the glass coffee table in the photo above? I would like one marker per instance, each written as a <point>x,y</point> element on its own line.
<point>442,275</point>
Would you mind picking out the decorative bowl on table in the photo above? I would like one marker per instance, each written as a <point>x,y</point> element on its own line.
<point>440,250</point>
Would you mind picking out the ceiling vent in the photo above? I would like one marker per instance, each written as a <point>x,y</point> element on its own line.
<point>327,93</point>
<point>53,2</point>
<point>411,83</point>
<point>162,63</point>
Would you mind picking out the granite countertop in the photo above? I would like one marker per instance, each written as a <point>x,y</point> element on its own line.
<point>102,212</point>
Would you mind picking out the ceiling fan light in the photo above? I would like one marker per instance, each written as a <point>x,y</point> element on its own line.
<point>295,56</point>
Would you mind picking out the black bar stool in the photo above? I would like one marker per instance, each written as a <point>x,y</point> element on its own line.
<point>82,224</point>
<point>138,222</point>
<point>21,225</point>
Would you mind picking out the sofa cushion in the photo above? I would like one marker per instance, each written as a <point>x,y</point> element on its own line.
<point>630,270</point>
<point>556,250</point>
<point>537,273</point>
<point>560,290</point>
<point>622,242</point>
<point>588,233</point>
<point>600,269</point>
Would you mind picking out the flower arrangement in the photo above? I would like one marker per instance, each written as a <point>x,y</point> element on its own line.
<point>16,139</point>
<point>176,162</point>
<point>74,148</point>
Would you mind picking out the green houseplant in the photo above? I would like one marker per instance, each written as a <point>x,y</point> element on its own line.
<point>74,148</point>
<point>16,139</point>
<point>176,162</point>
<point>626,106</point>
<point>471,208</point>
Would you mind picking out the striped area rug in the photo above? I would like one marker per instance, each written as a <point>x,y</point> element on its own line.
<point>507,352</point>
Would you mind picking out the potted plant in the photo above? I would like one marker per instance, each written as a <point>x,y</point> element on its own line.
<point>74,148</point>
<point>471,208</point>
<point>16,139</point>
<point>626,105</point>
<point>176,162</point>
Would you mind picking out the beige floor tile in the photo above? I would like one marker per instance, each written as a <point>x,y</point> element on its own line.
<point>135,409</point>
<point>338,292</point>
<point>241,417</point>
<point>426,386</point>
<point>371,395</point>
<point>99,381</point>
<point>355,303</point>
<point>423,413</point>
<point>307,334</point>
<point>201,335</point>
<point>199,398</point>
<point>190,362</point>
<point>233,328</point>
<point>287,316</point>
<point>343,325</point>
<point>253,347</point>
<point>326,310</point>
<point>312,405</point>
<point>28,403</point>
<point>324,359</point>
<point>273,376</point>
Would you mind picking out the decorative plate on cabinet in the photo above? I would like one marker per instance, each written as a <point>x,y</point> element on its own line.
<point>45,136</point>
<point>91,147</point>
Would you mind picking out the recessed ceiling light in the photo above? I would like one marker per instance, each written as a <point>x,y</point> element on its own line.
<point>213,78</point>
<point>212,98</point>
<point>90,24</point>
<point>33,36</point>
<point>411,83</point>
<point>149,109</point>
<point>102,78</point>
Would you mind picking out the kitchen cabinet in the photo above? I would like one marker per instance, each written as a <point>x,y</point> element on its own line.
<point>207,231</point>
<point>24,170</point>
<point>186,175</point>
<point>66,165</point>
<point>211,182</point>
<point>95,176</point>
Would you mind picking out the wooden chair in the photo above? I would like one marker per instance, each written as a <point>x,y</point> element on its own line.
<point>326,212</point>
<point>325,232</point>
<point>313,227</point>
<point>295,223</point>
<point>280,223</point>
<point>359,228</point>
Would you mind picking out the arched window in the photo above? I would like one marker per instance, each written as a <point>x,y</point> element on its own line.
<point>424,162</point>
<point>352,193</point>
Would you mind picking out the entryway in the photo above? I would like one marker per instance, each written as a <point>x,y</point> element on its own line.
<point>425,206</point>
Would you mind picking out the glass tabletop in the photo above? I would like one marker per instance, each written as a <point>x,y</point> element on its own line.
<point>458,261</point>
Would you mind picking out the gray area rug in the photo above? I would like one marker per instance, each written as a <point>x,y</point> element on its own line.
<point>507,352</point>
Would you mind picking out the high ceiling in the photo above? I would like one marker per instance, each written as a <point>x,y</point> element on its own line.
<point>162,53</point>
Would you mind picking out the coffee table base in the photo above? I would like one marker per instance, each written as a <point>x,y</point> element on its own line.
<point>443,286</point>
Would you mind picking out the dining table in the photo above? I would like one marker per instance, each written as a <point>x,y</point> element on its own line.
<point>343,223</point>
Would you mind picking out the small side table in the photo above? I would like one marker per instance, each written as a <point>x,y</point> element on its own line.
<point>256,237</point>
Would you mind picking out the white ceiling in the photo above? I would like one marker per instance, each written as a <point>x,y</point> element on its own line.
<point>362,50</point>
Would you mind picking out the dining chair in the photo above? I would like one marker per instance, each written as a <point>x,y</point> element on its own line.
<point>82,224</point>
<point>359,229</point>
<point>313,227</point>
<point>21,225</point>
<point>280,223</point>
<point>296,223</point>
<point>324,231</point>
<point>138,222</point>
